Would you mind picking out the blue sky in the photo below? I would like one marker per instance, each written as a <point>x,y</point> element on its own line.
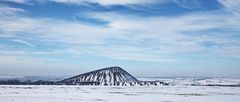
<point>145,37</point>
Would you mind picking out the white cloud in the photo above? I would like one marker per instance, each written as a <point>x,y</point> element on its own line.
<point>127,36</point>
<point>9,11</point>
<point>127,53</point>
<point>23,42</point>
<point>18,60</point>
<point>110,2</point>
<point>173,33</point>
<point>26,65</point>
<point>6,36</point>
<point>231,5</point>
<point>11,21</point>
<point>17,1</point>
<point>14,24</point>
<point>16,39</point>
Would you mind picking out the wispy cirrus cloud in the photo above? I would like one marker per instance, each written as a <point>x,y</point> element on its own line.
<point>231,6</point>
<point>15,39</point>
<point>23,42</point>
<point>17,1</point>
<point>100,2</point>
<point>110,2</point>
<point>162,37</point>
<point>109,32</point>
<point>9,11</point>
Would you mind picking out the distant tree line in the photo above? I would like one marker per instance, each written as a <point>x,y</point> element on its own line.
<point>27,82</point>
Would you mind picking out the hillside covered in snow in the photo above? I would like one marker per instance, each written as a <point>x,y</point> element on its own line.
<point>111,76</point>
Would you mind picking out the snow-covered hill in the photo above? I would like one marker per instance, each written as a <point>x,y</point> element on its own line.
<point>112,76</point>
<point>105,76</point>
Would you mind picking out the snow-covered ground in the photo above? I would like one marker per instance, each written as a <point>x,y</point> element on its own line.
<point>197,81</point>
<point>61,93</point>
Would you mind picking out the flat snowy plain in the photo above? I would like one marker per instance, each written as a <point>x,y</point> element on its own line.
<point>180,91</point>
<point>26,93</point>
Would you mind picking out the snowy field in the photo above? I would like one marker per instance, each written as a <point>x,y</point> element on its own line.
<point>60,93</point>
<point>198,81</point>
